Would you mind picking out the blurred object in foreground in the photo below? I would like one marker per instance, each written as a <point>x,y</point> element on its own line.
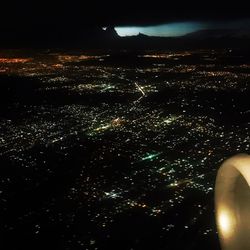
<point>232,203</point>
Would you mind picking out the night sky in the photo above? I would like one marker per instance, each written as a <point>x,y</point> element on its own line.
<point>62,19</point>
<point>174,29</point>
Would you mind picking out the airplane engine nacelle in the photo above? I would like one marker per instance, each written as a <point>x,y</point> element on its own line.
<point>232,203</point>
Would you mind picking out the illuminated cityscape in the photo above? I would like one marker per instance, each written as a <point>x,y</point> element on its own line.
<point>104,148</point>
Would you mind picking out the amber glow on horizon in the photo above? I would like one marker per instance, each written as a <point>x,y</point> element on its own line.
<point>15,60</point>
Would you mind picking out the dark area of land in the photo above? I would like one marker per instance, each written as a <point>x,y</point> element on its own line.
<point>87,164</point>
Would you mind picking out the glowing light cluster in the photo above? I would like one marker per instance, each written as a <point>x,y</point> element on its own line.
<point>15,60</point>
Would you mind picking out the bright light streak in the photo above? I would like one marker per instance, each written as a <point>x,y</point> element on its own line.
<point>171,119</point>
<point>168,30</point>
<point>150,156</point>
<point>140,89</point>
<point>104,127</point>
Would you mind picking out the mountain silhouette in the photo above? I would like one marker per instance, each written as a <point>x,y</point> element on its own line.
<point>110,33</point>
<point>99,38</point>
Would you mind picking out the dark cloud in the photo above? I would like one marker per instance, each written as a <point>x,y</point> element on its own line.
<point>99,13</point>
